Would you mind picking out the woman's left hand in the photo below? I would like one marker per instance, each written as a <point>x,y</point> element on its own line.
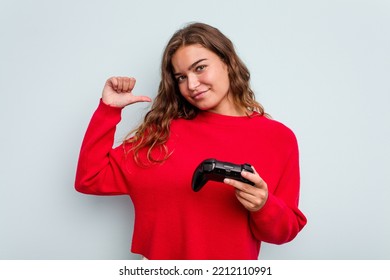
<point>254,197</point>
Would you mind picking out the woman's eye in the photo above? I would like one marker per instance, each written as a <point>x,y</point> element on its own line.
<point>200,67</point>
<point>180,78</point>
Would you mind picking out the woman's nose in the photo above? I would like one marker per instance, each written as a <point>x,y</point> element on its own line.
<point>193,82</point>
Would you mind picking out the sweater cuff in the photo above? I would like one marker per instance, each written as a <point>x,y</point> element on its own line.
<point>269,211</point>
<point>106,114</point>
<point>108,108</point>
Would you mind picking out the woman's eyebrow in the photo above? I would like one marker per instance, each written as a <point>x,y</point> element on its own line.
<point>192,65</point>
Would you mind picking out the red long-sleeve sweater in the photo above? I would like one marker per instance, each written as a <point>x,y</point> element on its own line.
<point>174,222</point>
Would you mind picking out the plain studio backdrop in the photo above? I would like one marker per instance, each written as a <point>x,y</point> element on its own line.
<point>320,67</point>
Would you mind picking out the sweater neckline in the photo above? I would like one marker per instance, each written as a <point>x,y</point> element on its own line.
<point>215,118</point>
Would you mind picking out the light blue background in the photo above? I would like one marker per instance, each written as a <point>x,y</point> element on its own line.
<point>320,67</point>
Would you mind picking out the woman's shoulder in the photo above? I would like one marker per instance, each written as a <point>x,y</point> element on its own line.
<point>275,127</point>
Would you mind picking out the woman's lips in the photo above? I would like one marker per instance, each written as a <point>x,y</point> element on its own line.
<point>199,94</point>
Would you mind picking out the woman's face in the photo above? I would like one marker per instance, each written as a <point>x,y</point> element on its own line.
<point>203,79</point>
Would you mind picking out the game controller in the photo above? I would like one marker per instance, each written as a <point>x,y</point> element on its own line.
<point>214,170</point>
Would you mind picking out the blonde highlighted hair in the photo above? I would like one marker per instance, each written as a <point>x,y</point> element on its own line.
<point>169,104</point>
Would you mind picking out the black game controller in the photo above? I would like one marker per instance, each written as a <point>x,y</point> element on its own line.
<point>214,170</point>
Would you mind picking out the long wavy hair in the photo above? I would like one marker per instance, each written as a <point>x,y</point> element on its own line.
<point>169,104</point>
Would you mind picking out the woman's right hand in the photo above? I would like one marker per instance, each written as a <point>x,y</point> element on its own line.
<point>117,92</point>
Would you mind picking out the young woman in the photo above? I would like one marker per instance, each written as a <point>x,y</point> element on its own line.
<point>204,109</point>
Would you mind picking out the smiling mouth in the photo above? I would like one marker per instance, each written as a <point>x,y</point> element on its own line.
<point>198,95</point>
